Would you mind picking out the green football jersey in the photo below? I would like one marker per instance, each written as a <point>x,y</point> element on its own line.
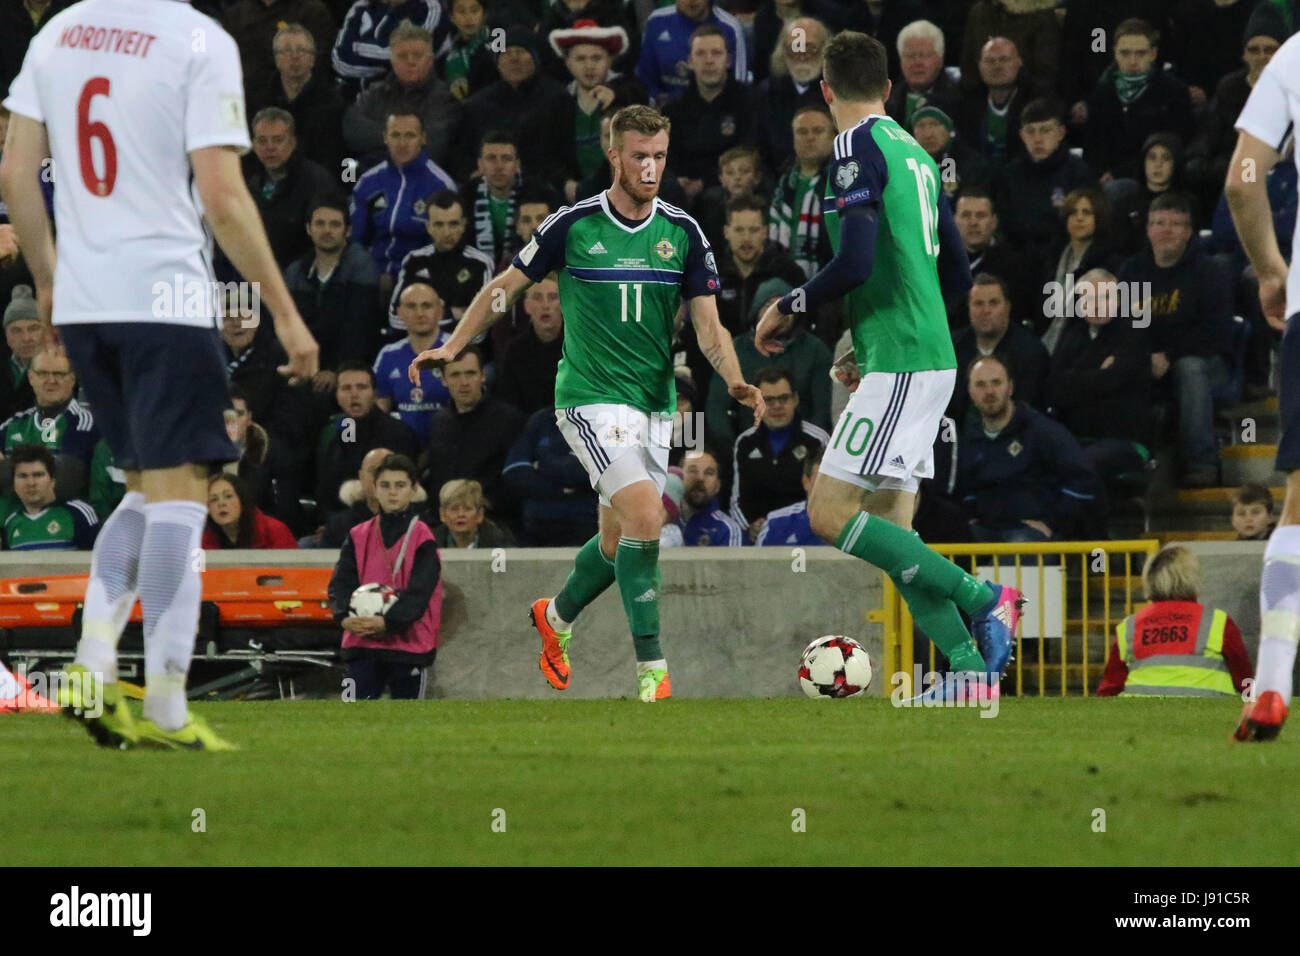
<point>897,317</point>
<point>70,432</point>
<point>621,284</point>
<point>63,526</point>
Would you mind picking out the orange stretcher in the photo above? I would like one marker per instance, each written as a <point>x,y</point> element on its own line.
<point>246,597</point>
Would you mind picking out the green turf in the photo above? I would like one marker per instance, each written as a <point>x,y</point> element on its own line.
<point>686,781</point>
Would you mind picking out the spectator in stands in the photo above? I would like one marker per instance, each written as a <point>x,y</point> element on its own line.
<point>283,183</point>
<point>1211,148</point>
<point>1190,316</point>
<point>1033,27</point>
<point>527,370</point>
<point>806,358</point>
<point>666,46</point>
<point>767,459</point>
<point>464,521</point>
<point>455,268</point>
<point>253,25</point>
<point>703,522</point>
<point>388,208</point>
<point>586,14</point>
<point>491,197</point>
<point>39,520</point>
<point>795,220</point>
<point>1252,513</point>
<point>361,501</point>
<point>1099,386</point>
<point>790,525</point>
<point>336,289</point>
<point>534,206</point>
<point>1021,475</point>
<point>366,48</point>
<point>263,467</point>
<point>251,363</point>
<point>924,82</point>
<point>713,114</point>
<point>1087,245</point>
<point>746,261</point>
<point>57,421</point>
<point>1133,99</point>
<point>771,21</point>
<point>959,164</point>
<point>235,521</point>
<point>466,61</point>
<point>470,437</point>
<point>506,106</point>
<point>977,220</point>
<point>738,175</point>
<point>1161,164</point>
<point>307,95</point>
<point>990,113</point>
<point>793,84</point>
<point>414,405</point>
<point>359,426</point>
<point>24,337</point>
<point>1175,645</point>
<point>1031,188</point>
<point>412,87</point>
<point>992,330</point>
<point>543,473</point>
<point>566,139</point>
<point>392,650</point>
<point>1204,42</point>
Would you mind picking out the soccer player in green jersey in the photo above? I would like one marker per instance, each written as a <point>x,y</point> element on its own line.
<point>897,254</point>
<point>625,261</point>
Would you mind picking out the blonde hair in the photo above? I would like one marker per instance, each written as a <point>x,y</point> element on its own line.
<point>645,120</point>
<point>461,491</point>
<point>1173,574</point>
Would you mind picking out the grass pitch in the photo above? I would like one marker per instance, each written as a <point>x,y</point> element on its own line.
<point>683,782</point>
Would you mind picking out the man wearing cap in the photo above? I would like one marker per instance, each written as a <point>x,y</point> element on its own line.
<point>924,82</point>
<point>959,165</point>
<point>412,87</point>
<point>666,46</point>
<point>522,92</point>
<point>24,334</point>
<point>713,115</point>
<point>568,135</point>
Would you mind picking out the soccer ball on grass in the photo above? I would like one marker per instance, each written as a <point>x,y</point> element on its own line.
<point>834,666</point>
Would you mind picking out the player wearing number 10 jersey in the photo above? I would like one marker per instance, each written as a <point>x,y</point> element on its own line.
<point>897,254</point>
<point>140,104</point>
<point>625,261</point>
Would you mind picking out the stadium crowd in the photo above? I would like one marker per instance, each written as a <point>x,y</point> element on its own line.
<point>405,150</point>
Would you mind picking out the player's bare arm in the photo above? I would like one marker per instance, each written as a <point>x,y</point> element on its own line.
<point>1246,188</point>
<point>492,302</point>
<point>26,147</point>
<point>716,346</point>
<point>237,226</point>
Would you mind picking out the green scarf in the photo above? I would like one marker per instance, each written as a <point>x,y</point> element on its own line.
<point>458,60</point>
<point>1128,88</point>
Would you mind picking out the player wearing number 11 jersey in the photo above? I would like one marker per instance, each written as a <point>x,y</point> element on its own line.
<point>897,255</point>
<point>140,104</point>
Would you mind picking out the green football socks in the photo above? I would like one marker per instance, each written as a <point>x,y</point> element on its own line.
<point>933,587</point>
<point>592,573</point>
<point>637,571</point>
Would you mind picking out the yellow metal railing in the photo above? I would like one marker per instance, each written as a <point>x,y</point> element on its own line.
<point>1077,592</point>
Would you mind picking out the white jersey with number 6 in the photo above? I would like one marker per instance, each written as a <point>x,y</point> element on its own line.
<point>126,90</point>
<point>1270,115</point>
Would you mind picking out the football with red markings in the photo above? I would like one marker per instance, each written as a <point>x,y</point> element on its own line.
<point>834,666</point>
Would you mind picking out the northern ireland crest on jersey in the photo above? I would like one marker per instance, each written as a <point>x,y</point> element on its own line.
<point>665,249</point>
<point>417,395</point>
<point>462,276</point>
<point>419,207</point>
<point>1015,448</point>
<point>847,174</point>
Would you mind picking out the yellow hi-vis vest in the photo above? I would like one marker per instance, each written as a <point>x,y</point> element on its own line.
<point>1201,673</point>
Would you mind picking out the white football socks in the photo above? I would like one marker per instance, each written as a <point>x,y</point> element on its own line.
<point>558,624</point>
<point>170,591</point>
<point>111,590</point>
<point>1279,612</point>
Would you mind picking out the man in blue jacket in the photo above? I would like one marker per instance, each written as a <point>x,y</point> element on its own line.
<point>1022,476</point>
<point>666,46</point>
<point>703,522</point>
<point>559,505</point>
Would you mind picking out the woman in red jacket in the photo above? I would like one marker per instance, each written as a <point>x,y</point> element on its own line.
<point>234,521</point>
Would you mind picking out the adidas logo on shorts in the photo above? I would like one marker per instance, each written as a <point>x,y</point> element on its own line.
<point>897,461</point>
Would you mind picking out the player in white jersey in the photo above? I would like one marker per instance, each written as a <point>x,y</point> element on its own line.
<point>1266,132</point>
<point>140,105</point>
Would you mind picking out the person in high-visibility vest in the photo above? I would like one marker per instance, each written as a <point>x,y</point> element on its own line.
<point>1176,646</point>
